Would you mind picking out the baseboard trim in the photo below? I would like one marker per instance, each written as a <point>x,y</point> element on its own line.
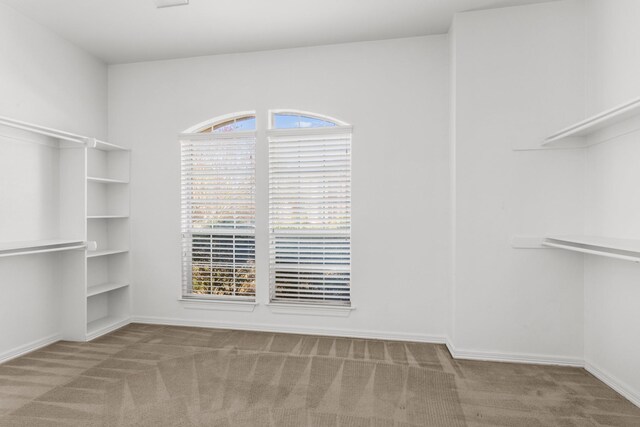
<point>531,359</point>
<point>345,333</point>
<point>28,348</point>
<point>619,386</point>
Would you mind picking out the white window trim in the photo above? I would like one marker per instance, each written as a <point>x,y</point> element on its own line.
<point>218,119</point>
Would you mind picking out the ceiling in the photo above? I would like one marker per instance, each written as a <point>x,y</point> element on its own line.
<point>121,31</point>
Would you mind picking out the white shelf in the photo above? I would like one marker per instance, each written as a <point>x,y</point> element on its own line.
<point>107,216</point>
<point>39,246</point>
<point>106,252</point>
<point>105,146</point>
<point>106,180</point>
<point>105,325</point>
<point>104,287</point>
<point>579,133</point>
<point>624,249</point>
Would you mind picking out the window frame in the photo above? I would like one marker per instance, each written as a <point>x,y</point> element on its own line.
<point>340,128</point>
<point>262,267</point>
<point>195,134</point>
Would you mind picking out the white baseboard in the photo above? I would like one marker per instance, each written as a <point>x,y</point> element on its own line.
<point>347,333</point>
<point>28,348</point>
<point>624,389</point>
<point>532,359</point>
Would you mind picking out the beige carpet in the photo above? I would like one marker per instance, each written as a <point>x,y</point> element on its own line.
<point>146,375</point>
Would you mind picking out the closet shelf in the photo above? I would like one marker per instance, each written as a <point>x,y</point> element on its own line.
<point>42,130</point>
<point>106,252</point>
<point>104,325</point>
<point>624,249</point>
<point>39,246</point>
<point>107,216</point>
<point>579,132</point>
<point>60,135</point>
<point>104,287</point>
<point>106,180</point>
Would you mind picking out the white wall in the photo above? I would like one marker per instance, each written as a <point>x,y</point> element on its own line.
<point>43,80</point>
<point>612,290</point>
<point>518,77</point>
<point>394,93</point>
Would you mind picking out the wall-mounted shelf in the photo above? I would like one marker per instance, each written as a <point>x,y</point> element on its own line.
<point>39,246</point>
<point>625,117</point>
<point>106,180</point>
<point>104,287</point>
<point>106,252</point>
<point>624,249</point>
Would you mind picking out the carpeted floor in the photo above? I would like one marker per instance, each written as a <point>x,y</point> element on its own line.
<point>147,375</point>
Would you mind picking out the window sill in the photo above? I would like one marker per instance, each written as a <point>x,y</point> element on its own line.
<point>221,305</point>
<point>310,309</point>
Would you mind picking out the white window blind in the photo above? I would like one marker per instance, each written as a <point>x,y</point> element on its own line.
<point>218,215</point>
<point>310,215</point>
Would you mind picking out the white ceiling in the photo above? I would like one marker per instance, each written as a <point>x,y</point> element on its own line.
<point>120,31</point>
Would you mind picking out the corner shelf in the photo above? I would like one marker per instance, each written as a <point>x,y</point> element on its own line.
<point>624,249</point>
<point>103,288</point>
<point>39,246</point>
<point>585,132</point>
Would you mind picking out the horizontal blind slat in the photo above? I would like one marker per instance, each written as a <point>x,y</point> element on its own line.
<point>310,218</point>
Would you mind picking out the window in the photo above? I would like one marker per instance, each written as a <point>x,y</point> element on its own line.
<point>286,120</point>
<point>309,209</point>
<point>218,209</point>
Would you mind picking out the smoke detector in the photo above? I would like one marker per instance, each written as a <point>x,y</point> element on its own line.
<point>170,3</point>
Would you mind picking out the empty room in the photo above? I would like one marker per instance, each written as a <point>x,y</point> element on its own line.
<point>319,213</point>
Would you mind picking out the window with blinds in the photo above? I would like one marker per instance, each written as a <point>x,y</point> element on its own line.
<point>218,210</point>
<point>310,210</point>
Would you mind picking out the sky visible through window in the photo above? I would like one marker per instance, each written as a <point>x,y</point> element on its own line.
<point>281,121</point>
<point>289,121</point>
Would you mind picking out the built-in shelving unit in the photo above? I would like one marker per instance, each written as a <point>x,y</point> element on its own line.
<point>599,128</point>
<point>108,226</point>
<point>85,209</point>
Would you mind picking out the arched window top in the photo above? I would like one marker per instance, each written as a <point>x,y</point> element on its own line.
<point>234,122</point>
<point>295,119</point>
